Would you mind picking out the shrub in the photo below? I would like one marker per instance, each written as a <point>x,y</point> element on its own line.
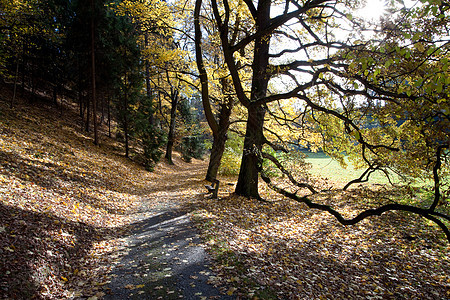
<point>231,159</point>
<point>193,147</point>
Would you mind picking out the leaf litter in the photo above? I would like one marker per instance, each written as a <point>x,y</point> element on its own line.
<point>65,204</point>
<point>283,250</point>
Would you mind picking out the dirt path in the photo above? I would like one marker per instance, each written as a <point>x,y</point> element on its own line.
<point>163,258</point>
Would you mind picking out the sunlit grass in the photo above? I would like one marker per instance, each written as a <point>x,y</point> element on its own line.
<point>324,166</point>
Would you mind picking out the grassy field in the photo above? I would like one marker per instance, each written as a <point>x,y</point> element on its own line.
<point>325,166</point>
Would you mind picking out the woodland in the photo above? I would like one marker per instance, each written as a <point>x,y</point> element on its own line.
<point>106,106</point>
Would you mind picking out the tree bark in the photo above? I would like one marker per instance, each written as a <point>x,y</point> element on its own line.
<point>13,99</point>
<point>87,107</point>
<point>147,81</point>
<point>219,129</point>
<point>171,135</point>
<point>203,75</point>
<point>125,126</point>
<point>109,116</point>
<point>94,92</point>
<point>247,184</point>
<point>219,141</point>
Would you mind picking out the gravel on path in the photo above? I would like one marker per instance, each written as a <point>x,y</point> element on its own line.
<point>163,257</point>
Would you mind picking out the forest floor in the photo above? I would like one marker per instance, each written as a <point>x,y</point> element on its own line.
<point>79,221</point>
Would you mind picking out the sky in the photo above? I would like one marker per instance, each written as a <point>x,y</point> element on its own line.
<point>373,10</point>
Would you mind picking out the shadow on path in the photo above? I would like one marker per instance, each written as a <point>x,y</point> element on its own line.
<point>163,259</point>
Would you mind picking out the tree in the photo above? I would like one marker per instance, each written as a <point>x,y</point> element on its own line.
<point>341,84</point>
<point>174,91</point>
<point>163,61</point>
<point>215,82</point>
<point>93,74</point>
<point>152,20</point>
<point>32,34</point>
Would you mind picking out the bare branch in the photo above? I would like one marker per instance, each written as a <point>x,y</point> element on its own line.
<point>288,174</point>
<point>432,216</point>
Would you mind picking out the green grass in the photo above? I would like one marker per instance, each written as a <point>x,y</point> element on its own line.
<point>327,167</point>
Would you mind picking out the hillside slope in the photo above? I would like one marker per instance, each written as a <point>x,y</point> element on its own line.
<point>63,202</point>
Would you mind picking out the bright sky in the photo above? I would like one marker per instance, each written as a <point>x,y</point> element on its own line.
<point>373,10</point>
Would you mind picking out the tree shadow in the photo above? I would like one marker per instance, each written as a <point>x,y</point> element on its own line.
<point>164,260</point>
<point>308,254</point>
<point>52,177</point>
<point>39,251</point>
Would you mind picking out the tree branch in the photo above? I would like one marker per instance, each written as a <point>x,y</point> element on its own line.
<point>202,71</point>
<point>287,173</point>
<point>364,214</point>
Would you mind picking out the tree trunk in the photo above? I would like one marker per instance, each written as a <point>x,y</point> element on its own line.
<point>147,81</point>
<point>55,95</point>
<point>87,106</point>
<point>171,135</point>
<point>102,119</point>
<point>94,92</point>
<point>125,127</point>
<point>22,93</point>
<point>109,116</point>
<point>13,99</point>
<point>80,94</point>
<point>215,157</point>
<point>220,138</point>
<point>247,184</point>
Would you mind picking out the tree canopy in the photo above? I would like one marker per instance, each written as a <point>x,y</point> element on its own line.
<point>285,75</point>
<point>345,86</point>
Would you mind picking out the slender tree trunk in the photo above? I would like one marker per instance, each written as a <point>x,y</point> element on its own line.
<point>219,141</point>
<point>87,105</point>
<point>109,116</point>
<point>55,96</point>
<point>147,82</point>
<point>102,108</point>
<point>23,70</point>
<point>33,85</point>
<point>13,99</point>
<point>125,127</point>
<point>94,92</point>
<point>247,184</point>
<point>56,83</point>
<point>171,135</point>
<point>80,95</point>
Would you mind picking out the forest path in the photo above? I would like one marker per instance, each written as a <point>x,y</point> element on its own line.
<point>163,257</point>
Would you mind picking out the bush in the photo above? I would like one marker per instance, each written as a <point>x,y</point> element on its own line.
<point>152,142</point>
<point>152,137</point>
<point>193,147</point>
<point>231,159</point>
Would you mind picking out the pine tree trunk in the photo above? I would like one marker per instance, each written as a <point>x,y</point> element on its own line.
<point>109,116</point>
<point>88,113</point>
<point>125,127</point>
<point>147,81</point>
<point>171,134</point>
<point>13,99</point>
<point>80,94</point>
<point>94,91</point>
